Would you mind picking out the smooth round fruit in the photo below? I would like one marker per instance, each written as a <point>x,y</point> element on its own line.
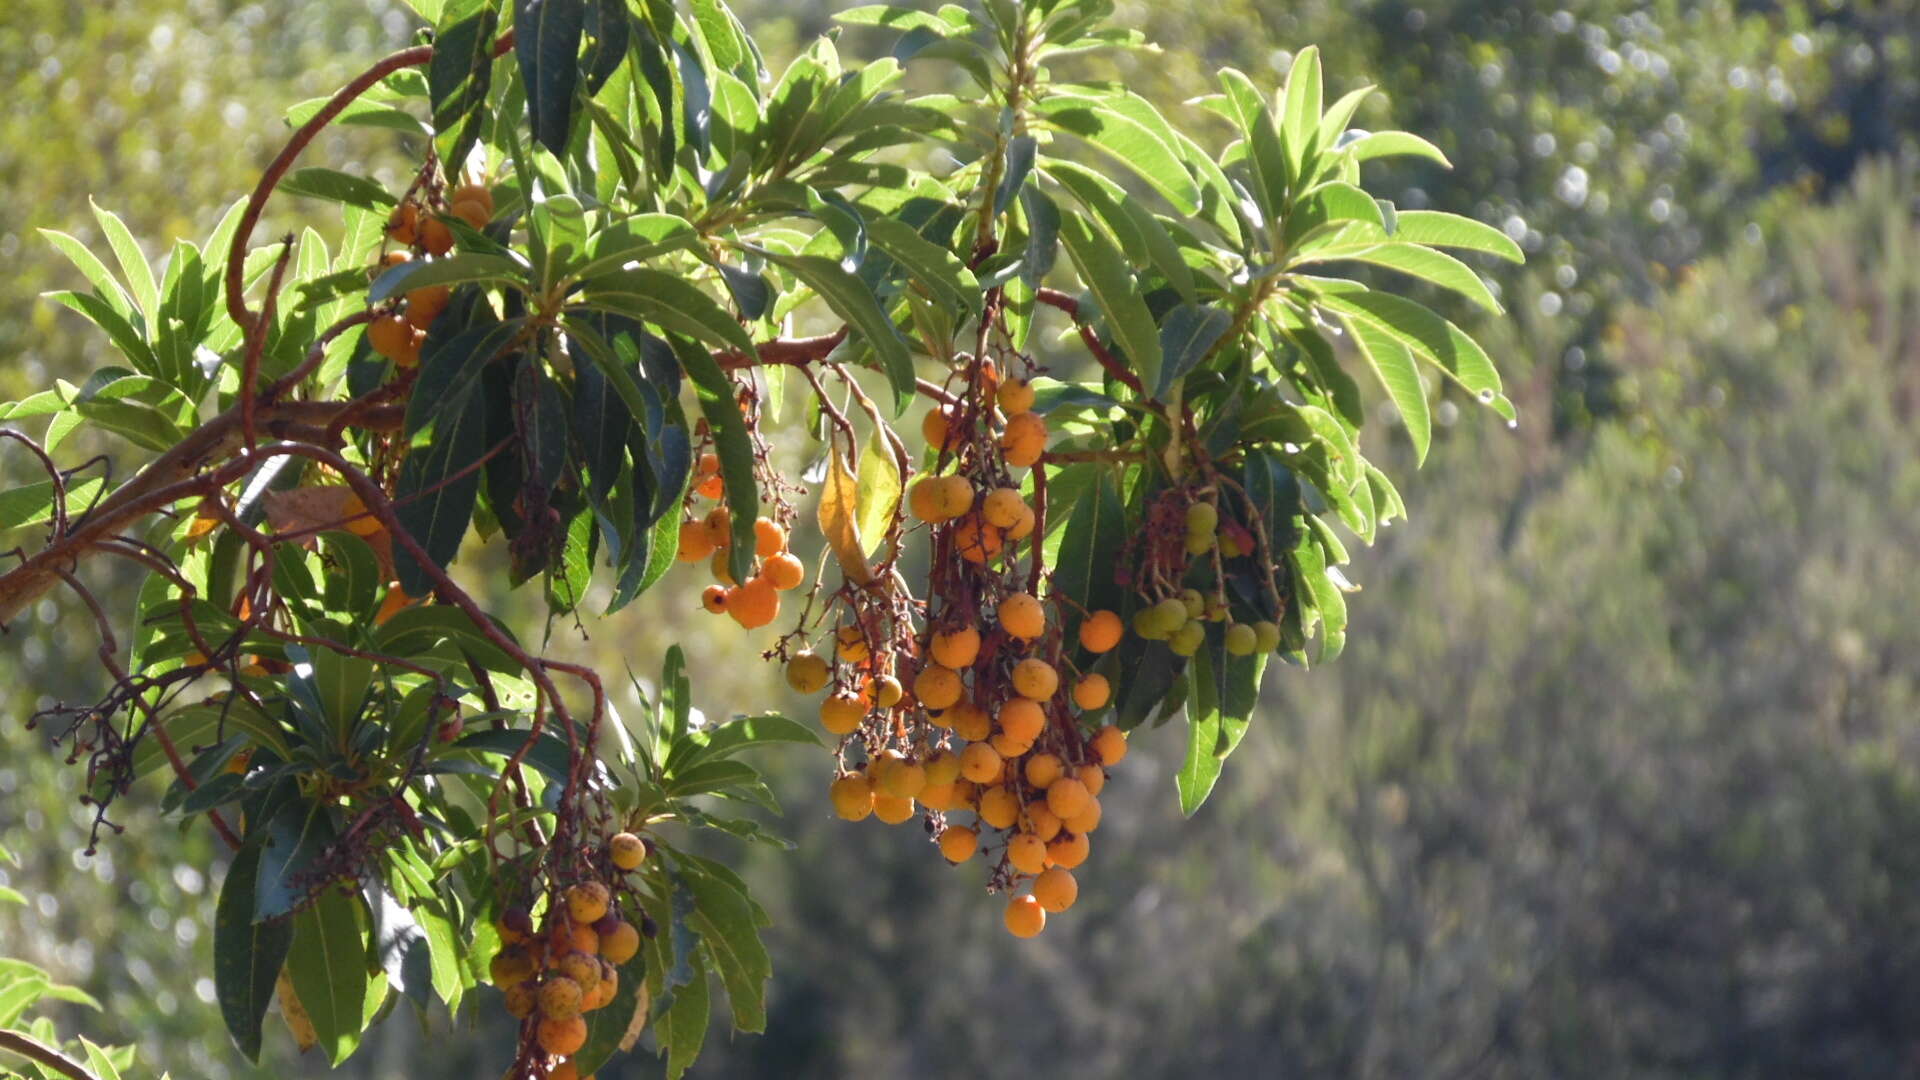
<point>563,1038</point>
<point>1092,691</point>
<point>807,672</point>
<point>1022,616</point>
<point>1266,636</point>
<point>1056,890</point>
<point>1093,776</point>
<point>621,945</point>
<point>943,767</point>
<point>979,763</point>
<point>711,487</point>
<point>560,998</point>
<point>937,687</point>
<point>1015,397</point>
<point>1023,719</point>
<point>754,604</point>
<point>769,538</point>
<point>956,648</point>
<point>850,644</point>
<point>969,721</point>
<point>966,795</point>
<point>1069,850</point>
<point>1025,917</point>
<point>1087,820</point>
<point>999,807</point>
<point>955,494</point>
<point>1100,631</point>
<point>1041,821</point>
<point>695,544</point>
<point>887,691</point>
<point>425,305</point>
<point>852,797</point>
<point>1187,640</point>
<point>587,902</point>
<point>784,571</point>
<point>436,237</point>
<point>1067,797</point>
<point>841,714</point>
<point>714,599</point>
<point>1024,441</point>
<point>521,1000</point>
<point>477,193</point>
<point>602,995</point>
<point>892,809</point>
<point>976,542</point>
<point>626,851</point>
<point>1111,744</point>
<point>958,844</point>
<point>1002,507</point>
<point>1027,853</point>
<point>722,568</point>
<point>1203,519</point>
<point>923,500</point>
<point>1241,640</point>
<point>390,336</point>
<point>472,213</point>
<point>934,428</point>
<point>1035,678</point>
<point>1043,769</point>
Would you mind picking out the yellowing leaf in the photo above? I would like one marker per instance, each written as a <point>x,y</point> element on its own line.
<point>294,1013</point>
<point>839,495</point>
<point>878,493</point>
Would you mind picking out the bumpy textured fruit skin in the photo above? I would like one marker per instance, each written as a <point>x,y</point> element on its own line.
<point>560,998</point>
<point>1111,744</point>
<point>1024,441</point>
<point>1025,917</point>
<point>581,968</point>
<point>937,687</point>
<point>695,544</point>
<point>1066,797</point>
<point>1022,719</point>
<point>1035,678</point>
<point>841,714</point>
<point>769,538</point>
<point>999,807</point>
<point>1241,640</point>
<point>1027,853</point>
<point>1055,889</point>
<point>521,1000</point>
<point>980,763</point>
<point>1043,769</point>
<point>1100,631</point>
<point>1015,397</point>
<point>754,604</point>
<point>1087,820</point>
<point>807,673</point>
<point>956,649</point>
<point>958,844</point>
<point>891,809</point>
<point>784,571</point>
<point>1092,692</point>
<point>621,945</point>
<point>852,798</point>
<point>587,902</point>
<point>562,1038</point>
<point>1069,850</point>
<point>1002,507</point>
<point>1022,616</point>
<point>626,850</point>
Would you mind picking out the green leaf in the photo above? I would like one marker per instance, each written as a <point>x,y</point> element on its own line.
<point>1300,110</point>
<point>740,733</point>
<point>132,262</point>
<point>32,504</point>
<point>557,231</point>
<point>447,270</point>
<point>942,272</point>
<point>295,836</point>
<point>1186,338</point>
<point>247,955</point>
<point>335,186</point>
<point>683,1029</point>
<point>437,489</point>
<point>637,239</point>
<point>1381,144</point>
<point>458,79</point>
<point>1435,229</point>
<point>1105,273</point>
<point>104,283</point>
<point>725,920</point>
<point>1222,693</point>
<point>850,299</point>
<point>670,302</point>
<point>1090,548</point>
<point>1431,338</point>
<point>1393,365</point>
<point>547,40</point>
<point>1266,151</point>
<point>97,1059</point>
<point>328,966</point>
<point>1424,263</point>
<point>878,493</point>
<point>732,442</point>
<point>1128,141</point>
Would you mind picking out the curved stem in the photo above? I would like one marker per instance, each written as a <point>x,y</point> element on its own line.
<point>34,1050</point>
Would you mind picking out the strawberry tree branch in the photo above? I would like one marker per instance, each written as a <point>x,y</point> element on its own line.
<point>1054,298</point>
<point>34,1050</point>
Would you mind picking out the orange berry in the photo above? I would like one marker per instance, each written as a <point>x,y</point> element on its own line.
<point>560,998</point>
<point>937,797</point>
<point>937,687</point>
<point>403,224</point>
<point>1041,821</point>
<point>958,844</point>
<point>955,494</point>
<point>626,851</point>
<point>427,302</point>
<point>1092,776</point>
<point>1067,797</point>
<point>566,1070</point>
<point>521,1000</point>
<point>1022,528</point>
<point>509,966</point>
<point>977,543</point>
<point>923,500</point>
<point>898,777</point>
<point>395,258</point>
<point>721,567</point>
<point>943,767</point>
<point>719,524</point>
<point>1027,853</point>
<point>1024,441</point>
<point>711,487</point>
<point>966,795</point>
<point>1056,890</point>
<point>1022,616</point>
<point>887,691</point>
<point>475,215</point>
<point>1069,850</point>
<point>1087,820</point>
<point>785,571</point>
<point>1023,719</point>
<point>620,944</point>
<point>1025,917</point>
<point>1100,631</point>
<point>768,537</point>
<point>562,1038</point>
<point>390,605</point>
<point>1111,744</point>
<point>969,721</point>
<point>850,644</point>
<point>754,604</point>
<point>892,809</point>
<point>979,763</point>
<point>390,336</point>
<point>1002,507</point>
<point>999,807</point>
<point>478,193</point>
<point>587,902</point>
<point>1043,769</point>
<point>852,797</point>
<point>1010,746</point>
<point>714,599</point>
<point>695,544</point>
<point>841,714</point>
<point>1015,397</point>
<point>410,356</point>
<point>436,237</point>
<point>957,648</point>
<point>1035,678</point>
<point>1092,692</point>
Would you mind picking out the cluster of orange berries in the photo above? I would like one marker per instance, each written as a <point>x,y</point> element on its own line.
<point>1004,516</point>
<point>399,335</point>
<point>552,978</point>
<point>755,602</point>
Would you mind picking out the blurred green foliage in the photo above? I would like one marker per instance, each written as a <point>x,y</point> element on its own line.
<point>1630,787</point>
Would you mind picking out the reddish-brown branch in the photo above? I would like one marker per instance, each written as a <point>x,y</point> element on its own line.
<point>795,352</point>
<point>34,1050</point>
<point>1054,298</point>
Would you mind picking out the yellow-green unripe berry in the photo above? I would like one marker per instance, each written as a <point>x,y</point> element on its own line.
<point>1188,639</point>
<point>1170,614</point>
<point>1229,547</point>
<point>1199,543</point>
<point>1241,640</point>
<point>1146,623</point>
<point>1202,518</point>
<point>1196,604</point>
<point>1266,636</point>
